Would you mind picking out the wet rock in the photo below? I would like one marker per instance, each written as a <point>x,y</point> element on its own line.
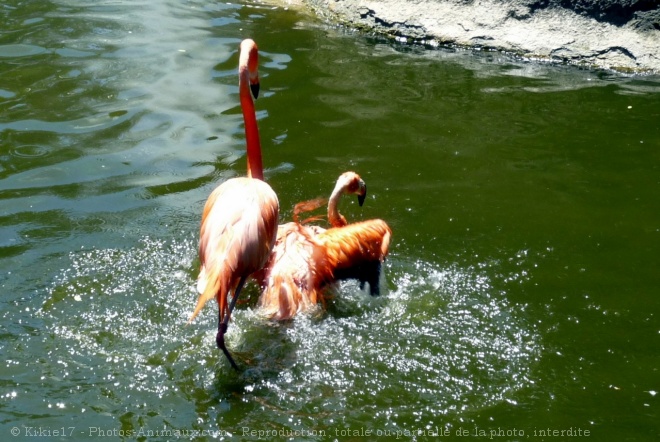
<point>622,35</point>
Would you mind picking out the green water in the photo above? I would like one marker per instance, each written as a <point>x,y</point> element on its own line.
<point>521,291</point>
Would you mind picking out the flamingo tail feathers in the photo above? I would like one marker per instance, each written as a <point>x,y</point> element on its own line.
<point>211,284</point>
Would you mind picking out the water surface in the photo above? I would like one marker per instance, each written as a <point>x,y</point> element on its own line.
<point>521,292</point>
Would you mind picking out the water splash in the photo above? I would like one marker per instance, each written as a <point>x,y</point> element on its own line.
<point>440,342</point>
<point>443,342</point>
<point>119,314</point>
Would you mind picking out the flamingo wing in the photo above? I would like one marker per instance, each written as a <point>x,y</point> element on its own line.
<point>288,281</point>
<point>355,251</point>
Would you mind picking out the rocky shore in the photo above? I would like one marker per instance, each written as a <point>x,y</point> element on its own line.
<point>622,35</point>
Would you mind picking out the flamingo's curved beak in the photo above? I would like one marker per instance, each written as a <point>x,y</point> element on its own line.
<point>363,193</point>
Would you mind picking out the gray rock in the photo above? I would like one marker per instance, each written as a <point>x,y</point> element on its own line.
<point>622,35</point>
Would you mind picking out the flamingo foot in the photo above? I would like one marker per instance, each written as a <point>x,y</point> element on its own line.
<point>220,341</point>
<point>222,325</point>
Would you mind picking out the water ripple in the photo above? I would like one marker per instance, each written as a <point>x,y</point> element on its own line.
<point>80,126</point>
<point>20,50</point>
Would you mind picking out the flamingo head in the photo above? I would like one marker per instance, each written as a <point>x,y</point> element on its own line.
<point>350,182</point>
<point>248,63</point>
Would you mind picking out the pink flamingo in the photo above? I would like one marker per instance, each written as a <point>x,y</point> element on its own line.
<point>239,222</point>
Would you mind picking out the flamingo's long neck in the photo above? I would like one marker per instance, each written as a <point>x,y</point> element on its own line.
<point>334,217</point>
<point>254,164</point>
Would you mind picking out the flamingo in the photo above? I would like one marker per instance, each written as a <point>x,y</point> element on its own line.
<point>304,260</point>
<point>239,221</point>
<point>289,280</point>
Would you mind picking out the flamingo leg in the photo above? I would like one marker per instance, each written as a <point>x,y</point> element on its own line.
<point>368,272</point>
<point>374,279</point>
<point>222,325</point>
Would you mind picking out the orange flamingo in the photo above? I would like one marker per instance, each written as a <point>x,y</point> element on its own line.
<point>290,282</point>
<point>239,222</point>
<point>304,260</point>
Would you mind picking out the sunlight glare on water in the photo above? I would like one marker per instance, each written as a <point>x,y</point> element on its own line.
<point>353,360</point>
